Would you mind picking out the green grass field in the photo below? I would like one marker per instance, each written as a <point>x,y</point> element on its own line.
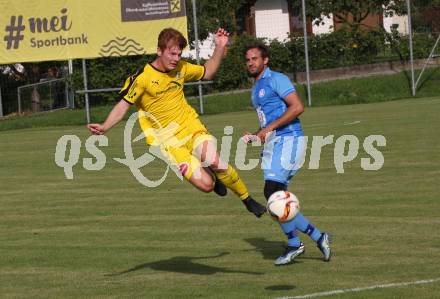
<point>104,235</point>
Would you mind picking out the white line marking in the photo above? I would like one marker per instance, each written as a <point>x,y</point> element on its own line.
<point>353,123</point>
<point>331,124</point>
<point>379,286</point>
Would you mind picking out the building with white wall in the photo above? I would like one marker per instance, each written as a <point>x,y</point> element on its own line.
<point>325,26</point>
<point>273,19</point>
<point>206,48</point>
<point>401,22</point>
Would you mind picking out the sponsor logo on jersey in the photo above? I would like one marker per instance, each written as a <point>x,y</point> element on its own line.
<point>183,168</point>
<point>173,86</point>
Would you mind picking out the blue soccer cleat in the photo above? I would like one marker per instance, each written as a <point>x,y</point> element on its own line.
<point>324,246</point>
<point>289,255</point>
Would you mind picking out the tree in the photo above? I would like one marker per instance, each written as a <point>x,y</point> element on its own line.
<point>212,14</point>
<point>359,10</point>
<point>425,15</point>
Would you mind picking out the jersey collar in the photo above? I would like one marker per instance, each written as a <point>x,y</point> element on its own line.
<point>266,73</point>
<point>154,68</point>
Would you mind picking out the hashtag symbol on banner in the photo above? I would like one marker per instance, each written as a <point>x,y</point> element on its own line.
<point>13,32</point>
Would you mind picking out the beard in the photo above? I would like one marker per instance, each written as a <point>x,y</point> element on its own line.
<point>254,74</point>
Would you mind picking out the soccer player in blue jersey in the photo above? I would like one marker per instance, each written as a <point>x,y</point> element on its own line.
<point>278,107</point>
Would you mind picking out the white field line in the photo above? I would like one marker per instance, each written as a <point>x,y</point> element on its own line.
<point>379,286</point>
<point>325,125</point>
<point>352,123</point>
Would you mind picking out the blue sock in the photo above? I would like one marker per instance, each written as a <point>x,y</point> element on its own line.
<point>304,225</point>
<point>289,229</point>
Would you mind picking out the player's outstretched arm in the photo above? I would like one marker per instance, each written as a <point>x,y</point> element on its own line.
<point>113,118</point>
<point>221,39</point>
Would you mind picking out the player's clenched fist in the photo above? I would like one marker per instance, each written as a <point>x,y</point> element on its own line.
<point>96,129</point>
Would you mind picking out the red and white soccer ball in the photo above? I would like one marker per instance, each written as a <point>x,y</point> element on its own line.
<point>283,206</point>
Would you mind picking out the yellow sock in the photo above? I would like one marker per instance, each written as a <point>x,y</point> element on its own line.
<point>230,179</point>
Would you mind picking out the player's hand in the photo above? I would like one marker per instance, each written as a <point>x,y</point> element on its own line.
<point>96,129</point>
<point>263,134</point>
<point>221,38</point>
<point>249,137</point>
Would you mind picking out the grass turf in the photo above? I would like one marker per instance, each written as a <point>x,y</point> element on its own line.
<point>103,234</point>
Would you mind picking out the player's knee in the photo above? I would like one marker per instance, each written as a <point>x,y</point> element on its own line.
<point>206,187</point>
<point>219,166</point>
<point>207,153</point>
<point>202,180</point>
<point>270,187</point>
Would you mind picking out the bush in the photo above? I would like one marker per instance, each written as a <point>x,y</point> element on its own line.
<point>232,73</point>
<point>105,73</point>
<point>422,45</point>
<point>336,49</point>
<point>343,47</point>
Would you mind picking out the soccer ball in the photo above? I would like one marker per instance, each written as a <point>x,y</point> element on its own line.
<point>283,206</point>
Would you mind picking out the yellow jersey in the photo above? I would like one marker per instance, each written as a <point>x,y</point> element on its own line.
<point>161,95</point>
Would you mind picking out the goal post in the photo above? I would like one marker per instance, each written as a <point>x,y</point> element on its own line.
<point>432,54</point>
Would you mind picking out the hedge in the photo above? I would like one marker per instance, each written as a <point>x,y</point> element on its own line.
<point>336,49</point>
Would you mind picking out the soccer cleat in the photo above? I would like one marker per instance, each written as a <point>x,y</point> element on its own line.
<point>220,189</point>
<point>289,255</point>
<point>324,246</point>
<point>254,207</point>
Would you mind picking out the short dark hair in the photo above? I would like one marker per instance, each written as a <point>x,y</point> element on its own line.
<point>171,34</point>
<point>264,50</point>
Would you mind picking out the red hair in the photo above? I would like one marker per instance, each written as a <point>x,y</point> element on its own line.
<point>171,35</point>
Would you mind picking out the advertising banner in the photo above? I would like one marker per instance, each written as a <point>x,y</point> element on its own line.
<point>68,29</point>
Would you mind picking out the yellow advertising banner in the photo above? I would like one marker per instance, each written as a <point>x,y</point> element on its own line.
<point>41,30</point>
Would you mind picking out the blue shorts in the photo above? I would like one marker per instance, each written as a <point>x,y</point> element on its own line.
<point>282,157</point>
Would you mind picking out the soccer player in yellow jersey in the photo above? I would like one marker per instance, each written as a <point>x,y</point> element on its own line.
<point>169,122</point>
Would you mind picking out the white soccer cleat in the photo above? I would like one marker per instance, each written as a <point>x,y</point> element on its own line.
<point>289,255</point>
<point>324,246</point>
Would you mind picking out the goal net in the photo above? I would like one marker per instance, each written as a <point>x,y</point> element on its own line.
<point>44,96</point>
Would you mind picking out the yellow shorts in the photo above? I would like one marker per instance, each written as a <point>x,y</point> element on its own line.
<point>177,145</point>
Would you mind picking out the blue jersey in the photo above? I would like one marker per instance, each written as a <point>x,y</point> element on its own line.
<point>267,98</point>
